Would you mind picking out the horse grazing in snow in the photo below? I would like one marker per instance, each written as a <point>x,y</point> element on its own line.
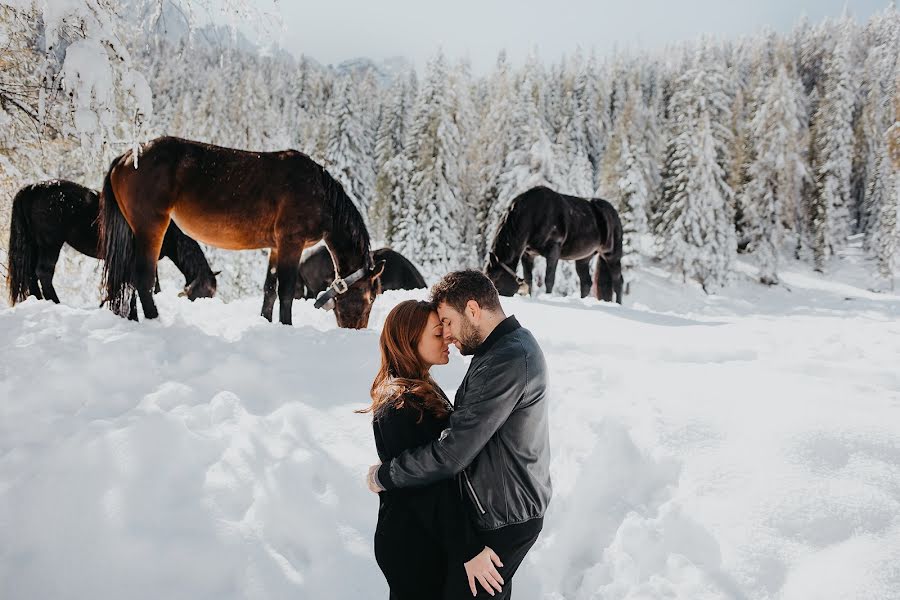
<point>541,222</point>
<point>49,214</point>
<point>236,200</point>
<point>317,272</point>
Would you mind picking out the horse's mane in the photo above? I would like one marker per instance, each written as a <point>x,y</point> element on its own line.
<point>346,219</point>
<point>507,229</point>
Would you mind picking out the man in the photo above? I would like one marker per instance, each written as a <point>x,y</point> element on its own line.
<point>498,437</point>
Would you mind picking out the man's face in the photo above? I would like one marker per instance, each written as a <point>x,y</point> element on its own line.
<point>459,329</point>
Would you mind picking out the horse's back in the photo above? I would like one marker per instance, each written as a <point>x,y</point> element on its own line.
<point>62,211</point>
<point>188,158</point>
<point>603,206</point>
<point>399,272</point>
<point>192,154</point>
<point>225,197</point>
<point>58,191</point>
<point>536,196</point>
<point>549,202</point>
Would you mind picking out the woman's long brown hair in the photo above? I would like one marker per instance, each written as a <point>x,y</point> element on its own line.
<point>403,373</point>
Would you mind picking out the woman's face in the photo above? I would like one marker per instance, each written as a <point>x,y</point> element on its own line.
<point>432,348</point>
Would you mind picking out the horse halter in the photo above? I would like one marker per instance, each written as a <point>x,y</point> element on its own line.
<point>518,279</point>
<point>524,289</point>
<point>338,287</point>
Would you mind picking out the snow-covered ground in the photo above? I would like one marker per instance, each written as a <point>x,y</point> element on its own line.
<point>745,445</point>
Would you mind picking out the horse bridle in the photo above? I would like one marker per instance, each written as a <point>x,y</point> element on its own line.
<point>338,287</point>
<point>518,279</point>
<point>523,285</point>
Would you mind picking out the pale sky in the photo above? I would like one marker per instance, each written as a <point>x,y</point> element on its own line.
<point>332,31</point>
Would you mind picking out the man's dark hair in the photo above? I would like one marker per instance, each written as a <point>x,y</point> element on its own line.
<point>457,288</point>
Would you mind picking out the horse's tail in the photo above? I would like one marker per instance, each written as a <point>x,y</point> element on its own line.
<point>607,215</point>
<point>116,249</point>
<point>616,233</point>
<point>23,251</point>
<point>607,280</point>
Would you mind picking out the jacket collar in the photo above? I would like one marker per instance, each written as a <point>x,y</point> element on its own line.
<point>507,325</point>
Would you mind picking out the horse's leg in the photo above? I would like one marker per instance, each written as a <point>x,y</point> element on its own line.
<point>583,268</point>
<point>552,260</point>
<point>603,282</point>
<point>32,277</point>
<point>618,280</point>
<point>287,270</point>
<point>269,286</point>
<point>303,290</point>
<point>528,271</point>
<point>146,253</point>
<point>132,311</point>
<point>169,249</point>
<point>46,266</point>
<point>36,288</point>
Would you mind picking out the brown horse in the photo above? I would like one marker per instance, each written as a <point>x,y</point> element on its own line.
<point>236,200</point>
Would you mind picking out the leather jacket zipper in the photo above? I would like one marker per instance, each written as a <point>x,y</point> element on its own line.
<point>474,495</point>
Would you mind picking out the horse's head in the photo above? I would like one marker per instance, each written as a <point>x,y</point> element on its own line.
<point>505,279</point>
<point>352,302</point>
<point>203,286</point>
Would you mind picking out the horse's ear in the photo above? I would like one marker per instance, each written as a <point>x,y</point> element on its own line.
<point>216,273</point>
<point>492,258</point>
<point>378,269</point>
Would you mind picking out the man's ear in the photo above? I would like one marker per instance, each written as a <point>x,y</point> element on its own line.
<point>474,310</point>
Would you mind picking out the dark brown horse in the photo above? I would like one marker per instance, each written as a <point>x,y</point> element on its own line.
<point>236,200</point>
<point>49,214</point>
<point>558,227</point>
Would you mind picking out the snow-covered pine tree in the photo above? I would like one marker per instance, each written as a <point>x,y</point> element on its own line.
<point>460,100</point>
<point>629,171</point>
<point>347,153</point>
<point>885,192</point>
<point>589,97</point>
<point>832,133</point>
<point>430,229</point>
<point>871,167</point>
<point>881,239</point>
<point>389,139</point>
<point>493,143</point>
<point>777,168</point>
<point>697,221</point>
<point>652,140</point>
<point>311,103</point>
<point>532,159</point>
<point>576,119</point>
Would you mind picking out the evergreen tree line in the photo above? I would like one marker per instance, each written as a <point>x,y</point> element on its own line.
<point>773,145</point>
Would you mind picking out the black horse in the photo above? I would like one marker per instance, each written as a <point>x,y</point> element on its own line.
<point>558,227</point>
<point>317,272</point>
<point>49,214</point>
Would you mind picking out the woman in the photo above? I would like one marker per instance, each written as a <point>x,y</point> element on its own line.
<point>422,533</point>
